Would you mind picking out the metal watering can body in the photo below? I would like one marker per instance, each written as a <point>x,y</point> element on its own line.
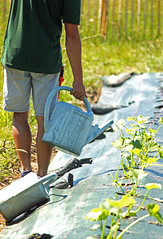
<point>69,128</point>
<point>24,194</point>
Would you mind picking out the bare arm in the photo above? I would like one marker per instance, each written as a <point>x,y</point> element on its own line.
<point>73,47</point>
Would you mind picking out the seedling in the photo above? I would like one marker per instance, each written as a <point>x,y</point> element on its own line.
<point>139,151</point>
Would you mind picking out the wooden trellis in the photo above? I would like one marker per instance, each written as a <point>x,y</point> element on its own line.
<point>119,18</point>
<point>125,18</point>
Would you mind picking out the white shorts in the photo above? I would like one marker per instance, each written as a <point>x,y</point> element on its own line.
<point>18,86</point>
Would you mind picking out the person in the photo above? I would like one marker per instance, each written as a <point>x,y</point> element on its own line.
<point>32,61</point>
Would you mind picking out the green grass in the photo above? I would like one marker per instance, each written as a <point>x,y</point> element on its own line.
<point>100,57</point>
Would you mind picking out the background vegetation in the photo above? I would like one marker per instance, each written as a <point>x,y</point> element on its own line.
<point>101,56</point>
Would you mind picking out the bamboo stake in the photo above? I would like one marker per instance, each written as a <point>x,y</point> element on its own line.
<point>132,14</point>
<point>99,15</point>
<point>113,18</point>
<point>151,18</point>
<point>126,17</point>
<point>105,27</point>
<point>145,17</point>
<point>138,15</point>
<point>104,17</point>
<point>95,15</point>
<point>119,19</point>
<point>158,22</point>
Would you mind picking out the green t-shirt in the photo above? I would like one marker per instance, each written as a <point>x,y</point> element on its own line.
<point>32,41</point>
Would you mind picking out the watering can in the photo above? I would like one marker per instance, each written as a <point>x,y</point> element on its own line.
<point>24,194</point>
<point>69,128</point>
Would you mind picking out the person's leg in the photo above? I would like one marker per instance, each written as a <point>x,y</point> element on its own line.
<point>22,139</point>
<point>42,84</point>
<point>16,92</point>
<point>43,150</point>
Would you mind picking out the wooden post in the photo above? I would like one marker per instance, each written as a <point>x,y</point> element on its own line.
<point>113,18</point>
<point>104,17</point>
<point>99,16</point>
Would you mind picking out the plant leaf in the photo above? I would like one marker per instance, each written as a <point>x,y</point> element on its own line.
<point>160,153</point>
<point>150,186</point>
<point>136,151</point>
<point>97,214</point>
<point>161,120</point>
<point>129,118</point>
<point>123,202</point>
<point>151,160</point>
<point>137,173</point>
<point>153,210</point>
<point>118,143</point>
<point>128,214</point>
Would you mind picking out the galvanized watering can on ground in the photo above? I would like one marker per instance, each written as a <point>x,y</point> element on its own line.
<point>24,194</point>
<point>69,128</point>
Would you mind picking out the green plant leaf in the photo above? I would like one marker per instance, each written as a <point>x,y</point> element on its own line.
<point>115,210</point>
<point>137,143</point>
<point>161,120</point>
<point>118,143</point>
<point>153,210</point>
<point>151,160</point>
<point>150,186</point>
<point>123,202</point>
<point>141,119</point>
<point>160,153</point>
<point>137,173</point>
<point>128,214</point>
<point>129,118</point>
<point>136,151</point>
<point>97,214</point>
<point>152,130</point>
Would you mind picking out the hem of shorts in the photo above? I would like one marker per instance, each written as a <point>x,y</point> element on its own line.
<point>16,111</point>
<point>22,111</point>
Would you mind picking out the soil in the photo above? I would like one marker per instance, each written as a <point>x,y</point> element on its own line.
<point>93,98</point>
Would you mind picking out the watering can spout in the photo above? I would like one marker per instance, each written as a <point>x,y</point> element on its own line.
<point>95,131</point>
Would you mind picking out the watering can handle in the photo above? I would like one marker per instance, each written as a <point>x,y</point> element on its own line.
<point>51,95</point>
<point>46,180</point>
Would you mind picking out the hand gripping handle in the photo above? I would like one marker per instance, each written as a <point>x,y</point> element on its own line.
<point>50,98</point>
